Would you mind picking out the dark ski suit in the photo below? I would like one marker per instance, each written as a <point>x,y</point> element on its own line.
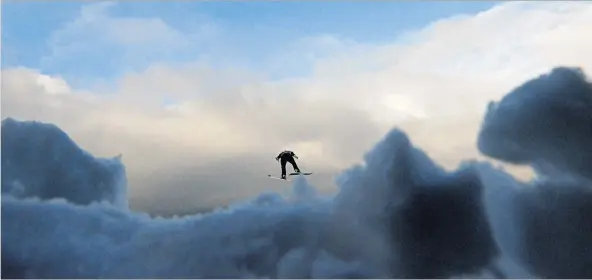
<point>285,157</point>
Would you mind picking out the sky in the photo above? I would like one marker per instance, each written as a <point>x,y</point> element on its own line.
<point>244,33</point>
<point>199,97</point>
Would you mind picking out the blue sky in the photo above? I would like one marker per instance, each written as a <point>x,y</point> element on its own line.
<point>246,33</point>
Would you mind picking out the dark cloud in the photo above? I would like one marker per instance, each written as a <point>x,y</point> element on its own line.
<point>556,222</point>
<point>61,168</point>
<point>546,121</point>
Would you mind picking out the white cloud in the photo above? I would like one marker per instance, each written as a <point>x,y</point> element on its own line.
<point>53,85</point>
<point>434,82</point>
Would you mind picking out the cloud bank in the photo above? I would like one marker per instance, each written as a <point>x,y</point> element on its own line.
<point>397,214</point>
<point>267,237</point>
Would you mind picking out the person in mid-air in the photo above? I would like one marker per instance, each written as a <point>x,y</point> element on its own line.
<point>285,157</point>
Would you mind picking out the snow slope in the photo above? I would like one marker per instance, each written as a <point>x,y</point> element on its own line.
<point>399,214</point>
